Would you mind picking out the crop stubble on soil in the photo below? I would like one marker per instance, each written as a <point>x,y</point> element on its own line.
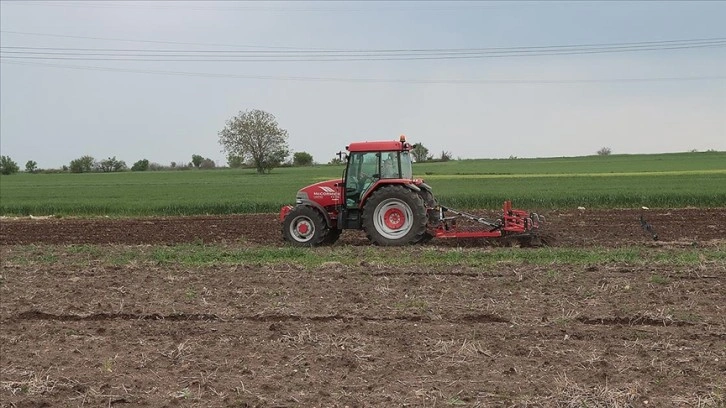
<point>141,334</point>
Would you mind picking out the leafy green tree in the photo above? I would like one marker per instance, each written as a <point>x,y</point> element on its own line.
<point>141,165</point>
<point>255,136</point>
<point>197,160</point>
<point>302,159</point>
<point>82,164</point>
<point>207,164</point>
<point>8,166</point>
<point>420,152</point>
<point>235,162</point>
<point>111,164</point>
<point>31,166</point>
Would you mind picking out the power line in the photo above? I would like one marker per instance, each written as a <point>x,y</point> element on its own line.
<point>323,58</point>
<point>81,37</point>
<point>374,80</point>
<point>717,41</point>
<point>220,56</point>
<point>574,47</point>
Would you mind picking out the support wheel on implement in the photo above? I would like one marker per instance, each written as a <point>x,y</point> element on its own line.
<point>304,226</point>
<point>394,215</point>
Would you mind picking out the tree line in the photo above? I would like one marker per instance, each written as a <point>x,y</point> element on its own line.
<point>251,139</point>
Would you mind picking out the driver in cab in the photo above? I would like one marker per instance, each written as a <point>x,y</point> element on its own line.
<point>387,170</point>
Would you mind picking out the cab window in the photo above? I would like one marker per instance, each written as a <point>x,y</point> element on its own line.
<point>363,171</point>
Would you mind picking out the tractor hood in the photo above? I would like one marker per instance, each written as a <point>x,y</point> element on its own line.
<point>324,193</point>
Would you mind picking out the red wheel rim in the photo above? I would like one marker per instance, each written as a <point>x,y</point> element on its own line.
<point>303,228</point>
<point>394,218</point>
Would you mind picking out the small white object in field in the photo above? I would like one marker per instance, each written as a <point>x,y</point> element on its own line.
<point>645,208</point>
<point>42,217</point>
<point>581,208</point>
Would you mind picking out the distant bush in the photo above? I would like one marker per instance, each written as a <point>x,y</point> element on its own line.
<point>207,164</point>
<point>64,169</point>
<point>31,166</point>
<point>141,165</point>
<point>302,159</point>
<point>156,166</point>
<point>83,164</point>
<point>197,160</point>
<point>605,151</point>
<point>235,161</point>
<point>420,153</point>
<point>8,166</point>
<point>111,164</point>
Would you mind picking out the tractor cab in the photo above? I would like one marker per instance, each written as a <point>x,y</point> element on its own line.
<point>370,166</point>
<point>366,169</point>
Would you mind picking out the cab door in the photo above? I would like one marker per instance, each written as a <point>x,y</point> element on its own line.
<point>363,171</point>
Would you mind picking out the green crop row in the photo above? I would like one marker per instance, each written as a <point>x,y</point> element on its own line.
<point>201,255</point>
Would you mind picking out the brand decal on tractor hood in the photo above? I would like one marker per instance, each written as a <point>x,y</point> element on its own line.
<point>326,191</point>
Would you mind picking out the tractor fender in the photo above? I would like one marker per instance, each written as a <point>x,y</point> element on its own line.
<point>425,186</point>
<point>318,207</point>
<point>387,182</point>
<point>413,187</point>
<point>284,211</point>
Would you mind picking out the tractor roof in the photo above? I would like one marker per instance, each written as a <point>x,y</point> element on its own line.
<point>379,146</point>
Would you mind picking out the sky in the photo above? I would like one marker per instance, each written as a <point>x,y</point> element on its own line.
<point>159,80</point>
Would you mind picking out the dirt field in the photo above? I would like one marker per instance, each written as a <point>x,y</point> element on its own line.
<point>609,228</point>
<point>76,331</point>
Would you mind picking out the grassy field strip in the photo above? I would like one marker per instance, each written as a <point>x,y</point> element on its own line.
<point>375,258</point>
<point>667,181</point>
<point>548,175</point>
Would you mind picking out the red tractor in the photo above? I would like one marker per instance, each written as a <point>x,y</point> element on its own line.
<point>379,195</point>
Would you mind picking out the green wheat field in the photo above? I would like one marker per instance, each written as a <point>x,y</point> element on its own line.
<point>615,181</point>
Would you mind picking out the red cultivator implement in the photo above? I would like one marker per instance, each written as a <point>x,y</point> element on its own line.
<point>513,225</point>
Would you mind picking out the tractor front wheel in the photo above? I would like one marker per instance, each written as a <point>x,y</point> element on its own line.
<point>394,215</point>
<point>304,226</point>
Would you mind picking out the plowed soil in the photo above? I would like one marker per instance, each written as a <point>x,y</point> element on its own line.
<point>607,228</point>
<point>79,332</point>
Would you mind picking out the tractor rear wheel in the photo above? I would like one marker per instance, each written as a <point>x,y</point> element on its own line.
<point>305,226</point>
<point>428,197</point>
<point>394,215</point>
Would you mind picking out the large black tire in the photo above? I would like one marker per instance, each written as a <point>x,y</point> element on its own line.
<point>430,201</point>
<point>394,215</point>
<point>304,226</point>
<point>428,197</point>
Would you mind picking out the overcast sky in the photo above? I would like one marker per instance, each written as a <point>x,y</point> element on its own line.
<point>65,91</point>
